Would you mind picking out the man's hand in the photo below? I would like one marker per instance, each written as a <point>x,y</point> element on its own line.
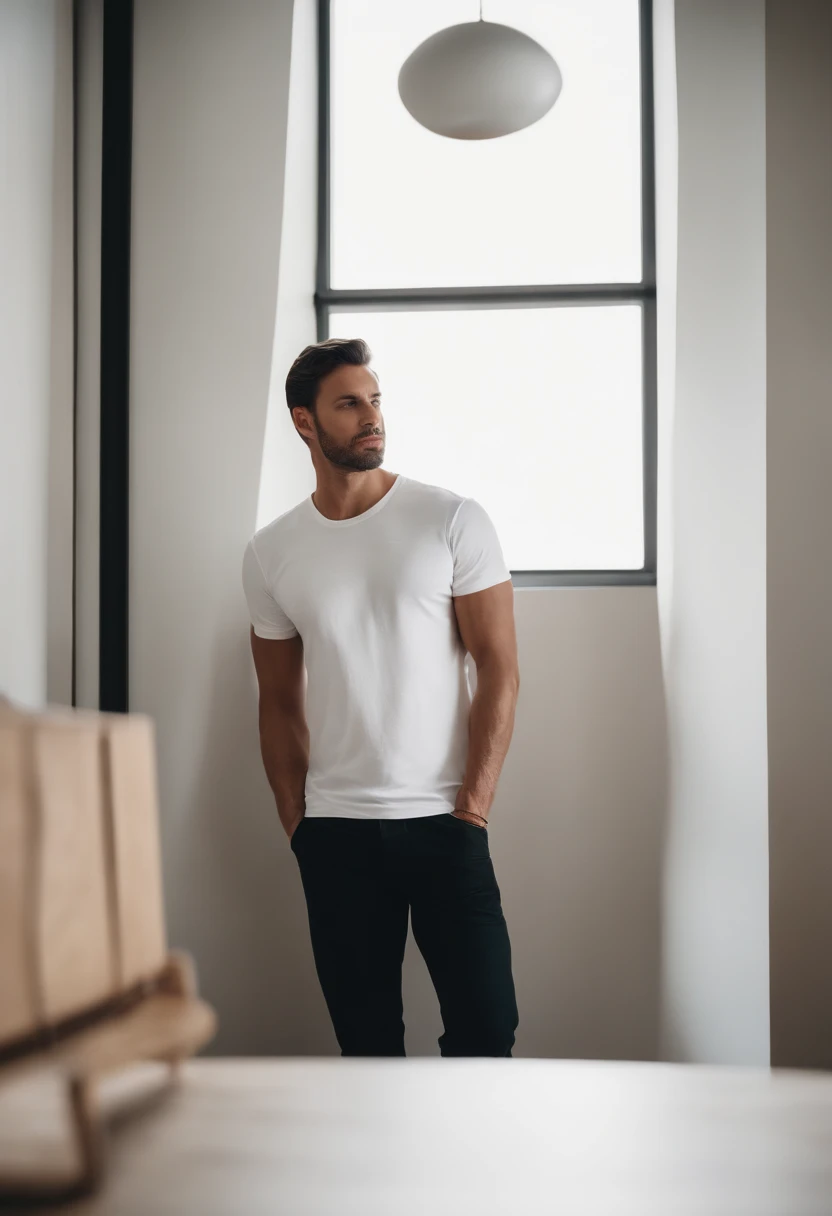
<point>290,833</point>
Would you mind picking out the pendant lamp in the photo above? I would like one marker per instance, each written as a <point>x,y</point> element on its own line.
<point>479,80</point>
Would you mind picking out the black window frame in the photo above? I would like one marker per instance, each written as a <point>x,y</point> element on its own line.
<point>434,299</point>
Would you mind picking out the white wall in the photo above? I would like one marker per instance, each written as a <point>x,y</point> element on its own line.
<point>285,480</point>
<point>35,345</point>
<point>713,591</point>
<point>799,117</point>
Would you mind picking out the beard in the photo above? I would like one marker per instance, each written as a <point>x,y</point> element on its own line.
<point>349,456</point>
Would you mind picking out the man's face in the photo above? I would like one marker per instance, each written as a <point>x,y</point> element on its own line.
<point>349,409</point>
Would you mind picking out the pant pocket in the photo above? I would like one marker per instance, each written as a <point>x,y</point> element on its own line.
<point>467,824</point>
<point>294,836</point>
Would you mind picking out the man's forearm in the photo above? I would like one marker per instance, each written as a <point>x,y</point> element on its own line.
<point>490,728</point>
<point>284,746</point>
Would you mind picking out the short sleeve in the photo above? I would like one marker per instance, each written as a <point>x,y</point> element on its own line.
<point>267,617</point>
<point>475,548</point>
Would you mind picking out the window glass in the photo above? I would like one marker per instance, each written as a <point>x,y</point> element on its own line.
<point>558,202</point>
<point>536,412</point>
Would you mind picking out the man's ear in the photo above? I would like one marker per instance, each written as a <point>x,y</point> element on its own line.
<point>294,420</point>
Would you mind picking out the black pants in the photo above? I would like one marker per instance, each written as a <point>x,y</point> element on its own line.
<point>361,877</point>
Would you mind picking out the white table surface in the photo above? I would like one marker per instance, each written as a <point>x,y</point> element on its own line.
<point>351,1137</point>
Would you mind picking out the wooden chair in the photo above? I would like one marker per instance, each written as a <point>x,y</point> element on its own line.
<point>88,984</point>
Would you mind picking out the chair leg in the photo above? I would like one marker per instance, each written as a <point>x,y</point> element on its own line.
<point>88,1132</point>
<point>174,1061</point>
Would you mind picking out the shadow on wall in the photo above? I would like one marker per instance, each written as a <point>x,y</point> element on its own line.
<point>244,915</point>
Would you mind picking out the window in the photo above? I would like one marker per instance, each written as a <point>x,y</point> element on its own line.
<point>505,286</point>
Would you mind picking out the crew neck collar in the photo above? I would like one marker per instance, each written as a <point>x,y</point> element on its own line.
<point>355,519</point>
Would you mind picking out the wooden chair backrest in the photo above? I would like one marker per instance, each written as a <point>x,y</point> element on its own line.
<point>81,904</point>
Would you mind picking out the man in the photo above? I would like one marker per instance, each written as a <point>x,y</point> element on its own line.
<point>383,767</point>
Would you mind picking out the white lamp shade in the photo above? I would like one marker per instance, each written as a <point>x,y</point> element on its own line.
<point>479,80</point>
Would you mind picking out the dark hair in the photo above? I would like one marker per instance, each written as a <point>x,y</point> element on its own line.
<point>315,362</point>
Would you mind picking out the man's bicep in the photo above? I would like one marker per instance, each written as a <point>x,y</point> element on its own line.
<point>281,672</point>
<point>486,625</point>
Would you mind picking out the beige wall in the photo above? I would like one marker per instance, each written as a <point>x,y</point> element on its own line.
<point>799,124</point>
<point>578,823</point>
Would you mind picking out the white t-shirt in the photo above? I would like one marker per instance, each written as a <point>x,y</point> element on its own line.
<point>388,697</point>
